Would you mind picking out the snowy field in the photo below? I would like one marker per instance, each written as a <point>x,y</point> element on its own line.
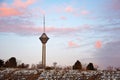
<point>39,74</point>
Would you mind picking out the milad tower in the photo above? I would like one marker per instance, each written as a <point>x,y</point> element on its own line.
<point>44,38</point>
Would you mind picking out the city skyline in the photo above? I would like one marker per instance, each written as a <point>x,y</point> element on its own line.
<point>85,30</point>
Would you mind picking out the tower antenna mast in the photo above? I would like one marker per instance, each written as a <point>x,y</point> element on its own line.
<point>44,23</point>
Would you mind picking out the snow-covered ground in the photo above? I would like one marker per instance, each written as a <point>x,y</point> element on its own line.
<point>39,74</point>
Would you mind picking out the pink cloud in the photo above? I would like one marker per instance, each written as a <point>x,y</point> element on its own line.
<point>30,29</point>
<point>69,9</point>
<point>81,13</point>
<point>18,7</point>
<point>19,26</point>
<point>98,44</point>
<point>61,30</point>
<point>23,4</point>
<point>6,11</point>
<point>85,12</point>
<point>72,44</point>
<point>63,18</point>
<point>76,11</point>
<point>20,29</point>
<point>42,12</point>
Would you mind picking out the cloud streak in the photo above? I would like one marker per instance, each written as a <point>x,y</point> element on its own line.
<point>72,44</point>
<point>6,11</point>
<point>23,4</point>
<point>17,8</point>
<point>28,30</point>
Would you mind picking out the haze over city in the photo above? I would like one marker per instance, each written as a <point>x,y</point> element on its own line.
<point>84,30</point>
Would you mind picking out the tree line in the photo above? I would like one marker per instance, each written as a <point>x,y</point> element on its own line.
<point>78,66</point>
<point>12,63</point>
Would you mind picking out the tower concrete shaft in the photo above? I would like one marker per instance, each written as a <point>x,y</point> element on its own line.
<point>44,55</point>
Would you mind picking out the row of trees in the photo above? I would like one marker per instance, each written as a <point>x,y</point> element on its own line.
<point>12,63</point>
<point>78,65</point>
